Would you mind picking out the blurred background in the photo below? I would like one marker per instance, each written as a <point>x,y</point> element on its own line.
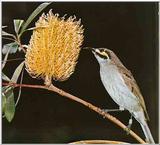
<point>131,31</point>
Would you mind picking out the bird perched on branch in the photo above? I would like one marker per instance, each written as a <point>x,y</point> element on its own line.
<point>122,87</point>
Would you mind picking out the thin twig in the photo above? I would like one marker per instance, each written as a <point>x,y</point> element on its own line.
<point>20,45</point>
<point>97,142</point>
<point>20,88</point>
<point>8,38</point>
<point>87,104</point>
<point>5,58</point>
<point>14,59</point>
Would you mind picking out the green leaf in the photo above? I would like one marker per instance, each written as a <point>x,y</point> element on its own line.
<point>17,25</point>
<point>5,58</point>
<point>33,15</point>
<point>4,77</point>
<point>4,27</point>
<point>12,46</point>
<point>17,72</point>
<point>9,109</point>
<point>7,34</point>
<point>3,102</point>
<point>5,88</point>
<point>34,28</point>
<point>20,88</point>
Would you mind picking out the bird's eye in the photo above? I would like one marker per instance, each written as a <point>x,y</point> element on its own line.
<point>102,55</point>
<point>101,50</point>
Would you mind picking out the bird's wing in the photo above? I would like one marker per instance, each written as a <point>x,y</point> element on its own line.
<point>132,84</point>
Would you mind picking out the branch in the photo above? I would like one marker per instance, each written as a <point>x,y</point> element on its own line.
<point>20,45</point>
<point>97,142</point>
<point>13,59</point>
<point>87,104</point>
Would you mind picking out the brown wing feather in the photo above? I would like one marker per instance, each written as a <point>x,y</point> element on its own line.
<point>132,84</point>
<point>129,80</point>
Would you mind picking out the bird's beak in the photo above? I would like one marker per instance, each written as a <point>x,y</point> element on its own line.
<point>90,48</point>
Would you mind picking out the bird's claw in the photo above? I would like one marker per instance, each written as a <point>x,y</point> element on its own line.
<point>128,128</point>
<point>112,110</point>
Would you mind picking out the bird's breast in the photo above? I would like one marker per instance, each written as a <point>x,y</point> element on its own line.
<point>117,89</point>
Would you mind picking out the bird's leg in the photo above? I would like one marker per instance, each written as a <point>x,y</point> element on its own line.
<point>129,124</point>
<point>114,110</point>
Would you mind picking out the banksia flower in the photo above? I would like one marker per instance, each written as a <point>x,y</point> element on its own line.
<point>54,47</point>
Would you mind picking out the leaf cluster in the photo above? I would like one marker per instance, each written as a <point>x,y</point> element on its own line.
<point>14,46</point>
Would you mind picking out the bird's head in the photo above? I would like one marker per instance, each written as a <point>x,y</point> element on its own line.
<point>103,55</point>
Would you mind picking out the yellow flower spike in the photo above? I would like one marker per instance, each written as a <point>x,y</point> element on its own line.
<point>54,47</point>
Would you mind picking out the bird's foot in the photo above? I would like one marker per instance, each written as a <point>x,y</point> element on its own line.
<point>128,128</point>
<point>113,110</point>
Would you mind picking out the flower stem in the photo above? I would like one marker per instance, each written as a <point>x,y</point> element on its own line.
<point>85,103</point>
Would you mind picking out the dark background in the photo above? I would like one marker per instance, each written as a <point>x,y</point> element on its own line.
<point>131,31</point>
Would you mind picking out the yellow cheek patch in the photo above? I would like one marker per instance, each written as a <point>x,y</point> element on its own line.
<point>102,53</point>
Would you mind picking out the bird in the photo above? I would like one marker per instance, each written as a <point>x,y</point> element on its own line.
<point>122,87</point>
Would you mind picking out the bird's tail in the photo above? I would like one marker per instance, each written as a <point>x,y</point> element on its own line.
<point>139,116</point>
<point>147,133</point>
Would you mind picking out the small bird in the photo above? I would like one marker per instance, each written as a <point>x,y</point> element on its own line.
<point>122,87</point>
